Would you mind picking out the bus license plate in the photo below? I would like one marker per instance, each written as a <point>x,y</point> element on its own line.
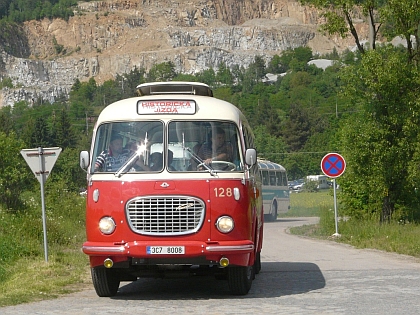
<point>165,250</point>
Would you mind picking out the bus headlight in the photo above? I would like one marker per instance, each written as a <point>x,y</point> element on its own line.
<point>107,225</point>
<point>225,224</point>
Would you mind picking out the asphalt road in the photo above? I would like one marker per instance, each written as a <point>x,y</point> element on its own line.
<point>298,276</point>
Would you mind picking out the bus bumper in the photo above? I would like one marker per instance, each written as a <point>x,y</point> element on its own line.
<point>238,252</point>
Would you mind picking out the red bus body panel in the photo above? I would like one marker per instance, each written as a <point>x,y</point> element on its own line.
<point>207,243</point>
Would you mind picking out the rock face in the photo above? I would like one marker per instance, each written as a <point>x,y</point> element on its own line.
<point>106,38</point>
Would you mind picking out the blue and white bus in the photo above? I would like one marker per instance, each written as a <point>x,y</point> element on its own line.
<point>275,190</point>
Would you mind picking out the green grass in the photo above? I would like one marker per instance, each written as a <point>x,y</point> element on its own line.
<point>391,237</point>
<point>32,279</point>
<point>307,204</point>
<point>25,276</point>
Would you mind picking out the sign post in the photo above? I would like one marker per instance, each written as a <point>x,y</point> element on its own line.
<point>333,165</point>
<point>41,162</point>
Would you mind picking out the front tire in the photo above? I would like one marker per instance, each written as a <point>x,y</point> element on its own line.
<point>240,279</point>
<point>273,212</point>
<point>105,281</point>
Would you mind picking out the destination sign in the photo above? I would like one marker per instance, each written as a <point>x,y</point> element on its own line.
<point>166,107</point>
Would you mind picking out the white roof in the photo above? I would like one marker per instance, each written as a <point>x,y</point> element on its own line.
<point>264,164</point>
<point>206,108</point>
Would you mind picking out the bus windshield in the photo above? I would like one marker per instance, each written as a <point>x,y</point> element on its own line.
<point>178,146</point>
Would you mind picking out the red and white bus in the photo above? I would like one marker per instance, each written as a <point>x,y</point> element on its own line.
<point>173,188</point>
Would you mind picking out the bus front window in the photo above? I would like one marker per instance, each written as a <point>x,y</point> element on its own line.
<point>181,146</point>
<point>125,146</point>
<point>203,146</point>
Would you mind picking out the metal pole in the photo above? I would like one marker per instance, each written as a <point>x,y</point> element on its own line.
<point>44,217</point>
<point>335,210</point>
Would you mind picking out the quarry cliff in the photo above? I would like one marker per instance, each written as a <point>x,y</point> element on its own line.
<point>110,37</point>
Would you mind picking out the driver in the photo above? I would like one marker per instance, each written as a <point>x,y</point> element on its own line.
<point>112,159</point>
<point>217,149</point>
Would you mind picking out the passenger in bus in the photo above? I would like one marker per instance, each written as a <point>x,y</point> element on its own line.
<point>217,149</point>
<point>170,160</point>
<point>139,165</point>
<point>112,159</point>
<point>156,161</point>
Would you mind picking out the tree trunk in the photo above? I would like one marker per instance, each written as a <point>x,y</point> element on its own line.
<point>387,209</point>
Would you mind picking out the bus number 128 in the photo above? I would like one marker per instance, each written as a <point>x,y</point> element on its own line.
<point>223,192</point>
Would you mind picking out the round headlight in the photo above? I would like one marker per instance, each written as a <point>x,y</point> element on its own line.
<point>225,224</point>
<point>107,225</point>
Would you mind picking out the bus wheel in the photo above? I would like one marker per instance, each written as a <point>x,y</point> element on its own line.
<point>273,212</point>
<point>105,281</point>
<point>240,279</point>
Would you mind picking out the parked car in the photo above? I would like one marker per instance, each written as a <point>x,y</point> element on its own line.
<point>291,183</point>
<point>297,184</point>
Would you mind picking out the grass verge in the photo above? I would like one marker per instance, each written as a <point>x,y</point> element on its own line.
<point>308,204</point>
<point>391,237</point>
<point>25,276</point>
<point>32,279</point>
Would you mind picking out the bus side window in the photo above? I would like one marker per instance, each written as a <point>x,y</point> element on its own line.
<point>279,181</point>
<point>273,179</point>
<point>265,177</point>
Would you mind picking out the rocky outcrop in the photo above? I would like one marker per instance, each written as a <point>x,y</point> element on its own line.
<point>106,38</point>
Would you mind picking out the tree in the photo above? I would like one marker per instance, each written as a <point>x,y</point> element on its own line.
<point>6,122</point>
<point>267,116</point>
<point>39,135</point>
<point>129,81</point>
<point>67,170</point>
<point>207,76</point>
<point>340,16</point>
<point>185,77</point>
<point>81,99</point>
<point>4,6</point>
<point>61,132</point>
<point>14,175</point>
<point>223,93</point>
<point>297,128</point>
<point>381,141</point>
<point>162,72</point>
<point>295,59</point>
<point>275,65</point>
<point>402,17</point>
<point>258,68</point>
<point>224,76</point>
<point>269,146</point>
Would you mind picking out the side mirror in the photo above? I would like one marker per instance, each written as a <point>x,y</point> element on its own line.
<point>84,160</point>
<point>251,157</point>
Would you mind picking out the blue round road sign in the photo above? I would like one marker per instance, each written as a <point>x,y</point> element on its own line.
<point>333,165</point>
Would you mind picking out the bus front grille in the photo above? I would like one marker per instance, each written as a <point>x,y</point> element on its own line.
<point>165,215</point>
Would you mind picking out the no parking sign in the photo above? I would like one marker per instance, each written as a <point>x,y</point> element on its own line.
<point>333,165</point>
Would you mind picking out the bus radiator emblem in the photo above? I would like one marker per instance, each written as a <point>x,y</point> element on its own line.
<point>164,185</point>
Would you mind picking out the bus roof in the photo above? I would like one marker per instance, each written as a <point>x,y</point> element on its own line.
<point>204,108</point>
<point>264,164</point>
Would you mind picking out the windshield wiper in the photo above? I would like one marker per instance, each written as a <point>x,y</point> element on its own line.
<point>127,164</point>
<point>200,161</point>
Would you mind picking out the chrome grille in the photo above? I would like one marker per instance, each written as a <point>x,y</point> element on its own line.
<point>165,215</point>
